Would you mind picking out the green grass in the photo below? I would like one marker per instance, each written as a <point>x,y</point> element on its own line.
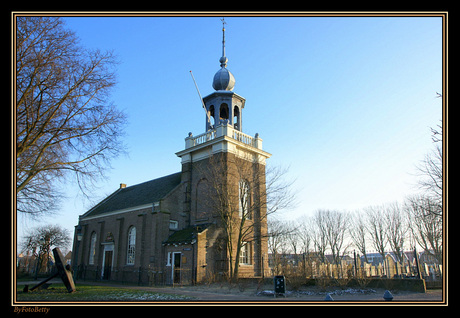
<point>95,293</point>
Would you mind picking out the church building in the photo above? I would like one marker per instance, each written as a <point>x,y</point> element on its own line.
<point>204,223</point>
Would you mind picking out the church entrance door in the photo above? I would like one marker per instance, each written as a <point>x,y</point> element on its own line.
<point>176,268</point>
<point>107,261</point>
<point>108,264</point>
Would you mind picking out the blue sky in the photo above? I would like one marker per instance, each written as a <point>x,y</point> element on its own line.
<point>346,102</point>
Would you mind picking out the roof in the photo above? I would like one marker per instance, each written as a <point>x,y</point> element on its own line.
<point>187,235</point>
<point>136,195</point>
<point>223,80</point>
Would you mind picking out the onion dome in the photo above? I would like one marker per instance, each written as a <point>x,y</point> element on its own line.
<point>224,79</point>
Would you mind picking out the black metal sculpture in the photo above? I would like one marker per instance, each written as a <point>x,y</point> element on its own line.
<point>61,271</point>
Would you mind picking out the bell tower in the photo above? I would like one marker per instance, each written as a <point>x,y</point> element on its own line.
<point>224,105</point>
<point>225,158</point>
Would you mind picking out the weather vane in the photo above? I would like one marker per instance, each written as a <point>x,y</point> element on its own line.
<point>223,36</point>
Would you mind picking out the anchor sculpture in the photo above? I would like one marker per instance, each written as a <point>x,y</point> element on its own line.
<point>61,271</point>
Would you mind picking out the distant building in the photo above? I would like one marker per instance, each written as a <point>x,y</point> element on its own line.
<point>376,259</point>
<point>164,230</point>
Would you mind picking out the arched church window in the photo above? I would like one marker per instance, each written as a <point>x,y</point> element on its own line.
<point>92,248</point>
<point>243,199</point>
<point>223,111</point>
<point>131,246</point>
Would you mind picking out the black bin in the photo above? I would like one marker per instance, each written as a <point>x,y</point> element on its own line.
<point>279,284</point>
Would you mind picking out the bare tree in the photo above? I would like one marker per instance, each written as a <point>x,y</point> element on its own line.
<point>431,168</point>
<point>278,240</point>
<point>305,241</point>
<point>436,133</point>
<point>425,224</point>
<point>431,175</point>
<point>293,239</point>
<point>305,235</point>
<point>319,235</point>
<point>376,226</point>
<point>65,123</point>
<point>242,195</point>
<point>41,240</point>
<point>336,230</point>
<point>397,228</point>
<point>358,232</point>
<point>425,210</point>
<point>276,233</point>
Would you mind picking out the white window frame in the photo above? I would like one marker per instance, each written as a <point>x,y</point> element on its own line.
<point>131,246</point>
<point>245,253</point>
<point>173,225</point>
<point>92,248</point>
<point>243,199</point>
<point>169,259</point>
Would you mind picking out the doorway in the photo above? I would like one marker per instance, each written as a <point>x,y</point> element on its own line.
<point>107,265</point>
<point>107,262</point>
<point>176,268</point>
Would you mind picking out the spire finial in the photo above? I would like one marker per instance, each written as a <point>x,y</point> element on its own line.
<point>223,60</point>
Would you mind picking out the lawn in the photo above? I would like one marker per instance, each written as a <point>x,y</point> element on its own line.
<point>95,293</point>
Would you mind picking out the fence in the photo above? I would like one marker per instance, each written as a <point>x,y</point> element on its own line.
<point>291,266</point>
<point>299,265</point>
<point>123,274</point>
<point>138,275</point>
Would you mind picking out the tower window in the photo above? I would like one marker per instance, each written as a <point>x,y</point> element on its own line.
<point>212,114</point>
<point>223,111</point>
<point>236,117</point>
<point>243,198</point>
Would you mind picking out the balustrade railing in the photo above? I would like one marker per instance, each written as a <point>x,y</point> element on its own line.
<point>209,135</point>
<point>246,139</point>
<point>218,132</point>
